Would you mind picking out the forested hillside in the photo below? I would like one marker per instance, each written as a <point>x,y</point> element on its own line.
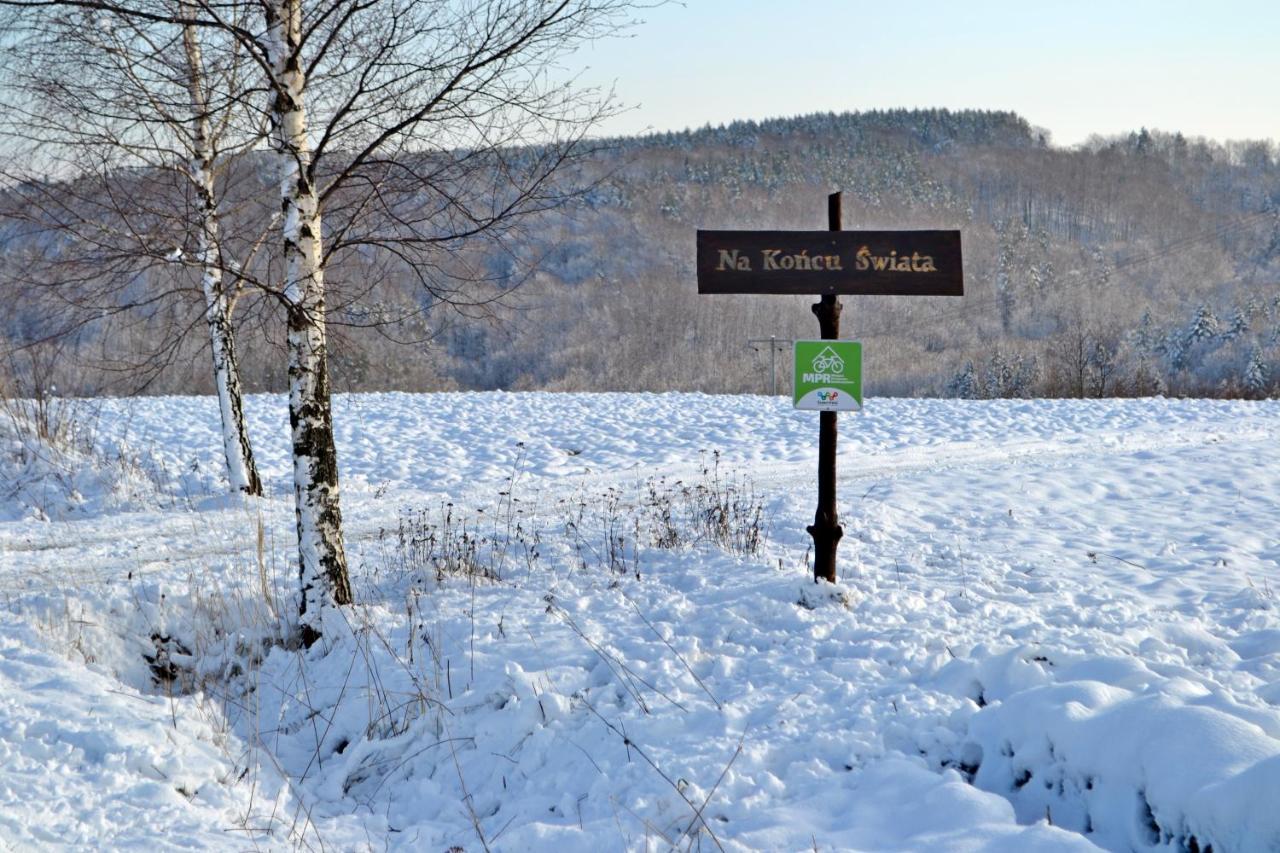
<point>1148,264</point>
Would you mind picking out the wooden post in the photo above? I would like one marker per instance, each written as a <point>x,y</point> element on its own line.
<point>826,530</point>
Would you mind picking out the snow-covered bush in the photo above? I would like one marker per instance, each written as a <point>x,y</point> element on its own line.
<point>1003,376</point>
<point>51,466</point>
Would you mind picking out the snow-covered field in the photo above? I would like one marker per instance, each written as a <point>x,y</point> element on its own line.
<point>1057,626</point>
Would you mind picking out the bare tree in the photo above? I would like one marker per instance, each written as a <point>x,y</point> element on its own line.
<point>400,126</point>
<point>235,438</point>
<point>137,129</point>
<point>436,124</point>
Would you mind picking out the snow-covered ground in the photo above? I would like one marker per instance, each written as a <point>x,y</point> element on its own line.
<point>1057,627</point>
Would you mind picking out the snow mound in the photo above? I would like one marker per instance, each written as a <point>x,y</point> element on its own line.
<point>89,763</point>
<point>1140,763</point>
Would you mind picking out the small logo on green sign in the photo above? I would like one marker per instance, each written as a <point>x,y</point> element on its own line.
<point>828,375</point>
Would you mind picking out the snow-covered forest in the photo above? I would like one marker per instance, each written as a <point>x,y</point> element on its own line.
<point>1130,266</point>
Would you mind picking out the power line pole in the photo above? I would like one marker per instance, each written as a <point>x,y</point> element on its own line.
<point>775,346</point>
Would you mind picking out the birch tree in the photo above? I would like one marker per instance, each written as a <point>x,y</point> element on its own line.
<point>435,124</point>
<point>406,127</point>
<point>322,559</point>
<point>92,96</point>
<point>241,470</point>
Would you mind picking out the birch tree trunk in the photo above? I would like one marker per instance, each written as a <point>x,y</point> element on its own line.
<point>322,559</point>
<point>242,471</point>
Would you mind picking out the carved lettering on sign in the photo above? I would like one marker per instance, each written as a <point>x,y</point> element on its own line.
<point>774,259</point>
<point>908,263</point>
<point>864,260</point>
<point>734,260</point>
<point>731,259</point>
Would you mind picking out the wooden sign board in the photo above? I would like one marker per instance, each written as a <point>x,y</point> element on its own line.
<point>870,263</point>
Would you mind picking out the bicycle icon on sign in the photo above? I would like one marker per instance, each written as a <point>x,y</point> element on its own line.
<point>828,362</point>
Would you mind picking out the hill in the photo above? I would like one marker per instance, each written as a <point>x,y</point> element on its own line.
<point>1128,266</point>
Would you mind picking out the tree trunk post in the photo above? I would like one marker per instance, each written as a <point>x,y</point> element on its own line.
<point>826,530</point>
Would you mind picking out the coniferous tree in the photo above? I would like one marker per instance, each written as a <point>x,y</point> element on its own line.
<point>1237,325</point>
<point>1255,373</point>
<point>1204,325</point>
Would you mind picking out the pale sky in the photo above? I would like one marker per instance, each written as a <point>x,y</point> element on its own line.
<point>1076,68</point>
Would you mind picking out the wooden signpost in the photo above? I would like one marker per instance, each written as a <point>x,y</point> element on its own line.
<point>829,264</point>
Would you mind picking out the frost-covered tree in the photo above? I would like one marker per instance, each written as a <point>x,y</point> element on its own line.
<point>964,384</point>
<point>1177,351</point>
<point>1104,364</point>
<point>1005,275</point>
<point>1103,270</point>
<point>1146,340</point>
<point>1006,376</point>
<point>1042,273</point>
<point>1204,326</point>
<point>1270,317</point>
<point>1237,325</point>
<point>1255,373</point>
<point>1186,348</point>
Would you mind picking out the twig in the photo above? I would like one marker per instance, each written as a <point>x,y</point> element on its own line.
<point>1118,559</point>
<point>630,744</point>
<point>680,657</point>
<point>697,816</point>
<point>610,661</point>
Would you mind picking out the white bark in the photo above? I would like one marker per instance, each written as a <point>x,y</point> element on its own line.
<point>242,472</point>
<point>322,559</point>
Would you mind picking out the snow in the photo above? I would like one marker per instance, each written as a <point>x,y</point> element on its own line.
<point>1056,628</point>
<point>86,762</point>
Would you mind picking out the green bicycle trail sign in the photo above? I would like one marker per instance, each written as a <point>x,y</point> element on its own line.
<point>828,376</point>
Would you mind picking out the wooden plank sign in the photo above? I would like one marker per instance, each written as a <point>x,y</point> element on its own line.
<point>871,263</point>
